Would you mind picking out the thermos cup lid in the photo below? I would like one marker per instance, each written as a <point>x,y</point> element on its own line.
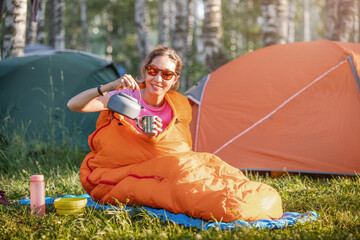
<point>37,178</point>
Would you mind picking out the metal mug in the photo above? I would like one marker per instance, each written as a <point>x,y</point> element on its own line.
<point>148,124</point>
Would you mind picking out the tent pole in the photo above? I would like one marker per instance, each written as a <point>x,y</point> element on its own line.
<point>355,73</point>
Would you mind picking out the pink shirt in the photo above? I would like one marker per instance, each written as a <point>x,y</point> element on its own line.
<point>164,112</point>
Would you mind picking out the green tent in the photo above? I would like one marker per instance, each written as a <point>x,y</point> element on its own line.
<point>35,89</point>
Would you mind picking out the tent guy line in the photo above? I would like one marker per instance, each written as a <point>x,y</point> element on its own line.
<point>276,109</point>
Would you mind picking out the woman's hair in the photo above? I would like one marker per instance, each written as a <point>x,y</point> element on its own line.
<point>160,51</point>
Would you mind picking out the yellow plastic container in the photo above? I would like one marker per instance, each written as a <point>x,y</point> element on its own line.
<point>70,206</point>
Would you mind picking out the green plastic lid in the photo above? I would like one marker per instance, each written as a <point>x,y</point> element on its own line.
<point>71,203</point>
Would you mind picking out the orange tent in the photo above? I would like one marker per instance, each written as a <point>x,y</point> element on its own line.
<point>293,107</point>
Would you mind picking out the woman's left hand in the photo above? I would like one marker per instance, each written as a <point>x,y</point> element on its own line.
<point>158,128</point>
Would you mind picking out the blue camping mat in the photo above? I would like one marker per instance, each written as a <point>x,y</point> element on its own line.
<point>287,219</point>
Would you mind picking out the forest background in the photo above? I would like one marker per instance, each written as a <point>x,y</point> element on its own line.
<point>206,33</point>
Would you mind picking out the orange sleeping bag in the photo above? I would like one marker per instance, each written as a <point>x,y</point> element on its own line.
<point>128,167</point>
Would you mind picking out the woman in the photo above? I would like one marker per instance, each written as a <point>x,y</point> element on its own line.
<point>160,170</point>
<point>160,73</point>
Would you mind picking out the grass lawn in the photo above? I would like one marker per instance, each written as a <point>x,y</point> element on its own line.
<point>335,198</point>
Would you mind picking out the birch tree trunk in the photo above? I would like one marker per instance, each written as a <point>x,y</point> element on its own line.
<point>269,28</point>
<point>356,22</point>
<point>189,40</point>
<point>59,15</point>
<point>291,23</point>
<point>142,22</point>
<point>84,26</point>
<point>214,55</point>
<point>341,17</point>
<point>41,22</point>
<point>331,9</point>
<point>282,22</point>
<point>31,31</point>
<point>181,37</point>
<point>57,28</point>
<point>307,32</point>
<point>14,28</point>
<point>346,19</point>
<point>275,27</point>
<point>164,22</point>
<point>199,41</point>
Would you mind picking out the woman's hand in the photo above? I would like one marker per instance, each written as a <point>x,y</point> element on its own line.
<point>157,128</point>
<point>90,101</point>
<point>126,82</point>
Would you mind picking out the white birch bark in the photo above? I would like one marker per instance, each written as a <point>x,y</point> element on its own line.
<point>331,9</point>
<point>84,26</point>
<point>198,22</point>
<point>282,22</point>
<point>31,32</point>
<point>59,17</point>
<point>214,55</point>
<point>142,22</point>
<point>346,18</point>
<point>14,28</point>
<point>179,36</point>
<point>275,27</point>
<point>269,28</point>
<point>307,32</point>
<point>291,23</point>
<point>41,22</point>
<point>356,22</point>
<point>172,20</point>
<point>164,22</point>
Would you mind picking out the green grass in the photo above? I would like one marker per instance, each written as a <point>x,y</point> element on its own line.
<point>336,199</point>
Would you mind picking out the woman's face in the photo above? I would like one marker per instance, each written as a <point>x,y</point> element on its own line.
<point>156,85</point>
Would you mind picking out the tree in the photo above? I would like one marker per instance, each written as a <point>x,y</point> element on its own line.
<point>164,22</point>
<point>341,17</point>
<point>291,23</point>
<point>198,39</point>
<point>356,22</point>
<point>84,25</point>
<point>275,27</point>
<point>214,55</point>
<point>32,23</point>
<point>41,22</point>
<point>346,19</point>
<point>241,26</point>
<point>331,9</point>
<point>14,28</point>
<point>57,24</point>
<point>307,32</point>
<point>183,35</point>
<point>142,21</point>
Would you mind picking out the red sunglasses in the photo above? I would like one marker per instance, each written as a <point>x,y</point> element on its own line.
<point>153,70</point>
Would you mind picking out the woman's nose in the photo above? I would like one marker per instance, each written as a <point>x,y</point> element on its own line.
<point>158,78</point>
